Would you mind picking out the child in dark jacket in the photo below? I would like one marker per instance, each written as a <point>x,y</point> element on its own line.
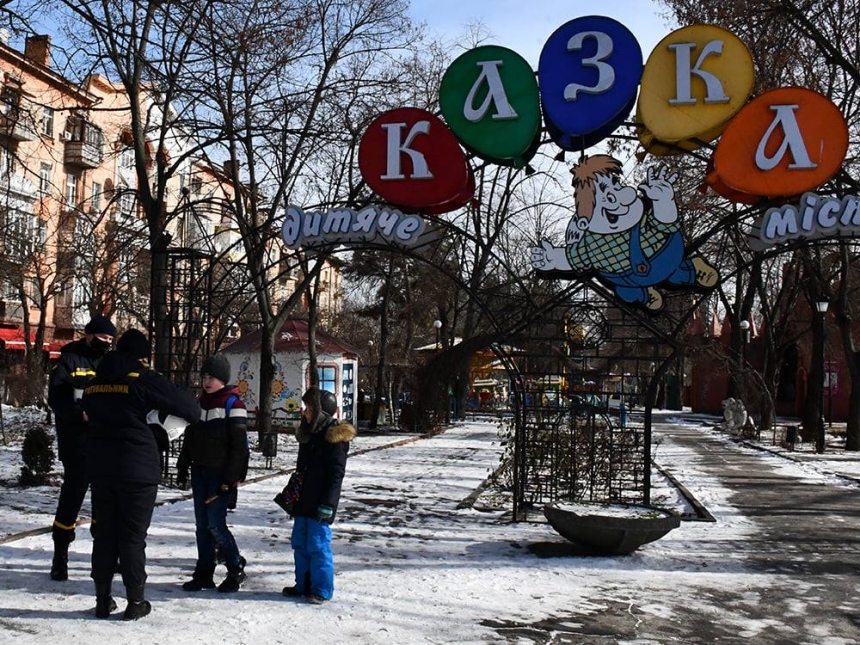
<point>323,448</point>
<point>216,449</point>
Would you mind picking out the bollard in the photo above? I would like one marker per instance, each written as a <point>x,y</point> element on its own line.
<point>622,415</point>
<point>791,434</point>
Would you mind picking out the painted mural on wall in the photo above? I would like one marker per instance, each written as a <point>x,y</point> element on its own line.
<point>245,378</point>
<point>694,89</point>
<point>283,396</point>
<point>632,241</point>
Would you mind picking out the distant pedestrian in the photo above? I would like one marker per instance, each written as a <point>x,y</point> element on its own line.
<point>321,464</point>
<point>76,367</point>
<point>124,464</point>
<point>216,450</point>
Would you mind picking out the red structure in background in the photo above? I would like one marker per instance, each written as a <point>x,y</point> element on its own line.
<point>709,379</point>
<point>12,340</point>
<point>13,369</point>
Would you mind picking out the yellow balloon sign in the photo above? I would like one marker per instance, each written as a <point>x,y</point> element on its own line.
<point>695,80</point>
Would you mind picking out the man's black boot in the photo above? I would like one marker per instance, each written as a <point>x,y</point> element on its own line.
<point>137,607</point>
<point>62,537</point>
<point>200,580</point>
<point>60,563</point>
<point>105,603</point>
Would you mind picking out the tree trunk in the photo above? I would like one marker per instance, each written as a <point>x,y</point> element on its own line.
<point>267,376</point>
<point>159,325</point>
<point>379,386</point>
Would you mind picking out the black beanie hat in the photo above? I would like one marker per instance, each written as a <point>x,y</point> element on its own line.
<point>328,402</point>
<point>218,367</point>
<point>134,343</point>
<point>311,398</point>
<point>100,325</point>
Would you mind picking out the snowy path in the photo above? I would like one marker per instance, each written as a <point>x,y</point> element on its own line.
<point>399,541</point>
<point>413,568</point>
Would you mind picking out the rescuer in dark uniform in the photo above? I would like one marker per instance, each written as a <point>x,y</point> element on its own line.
<point>76,367</point>
<point>124,464</point>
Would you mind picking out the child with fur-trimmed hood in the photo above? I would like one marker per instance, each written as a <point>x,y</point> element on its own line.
<point>321,463</point>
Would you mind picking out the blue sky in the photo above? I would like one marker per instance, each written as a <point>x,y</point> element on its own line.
<point>525,25</point>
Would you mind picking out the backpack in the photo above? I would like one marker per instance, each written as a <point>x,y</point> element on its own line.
<point>228,405</point>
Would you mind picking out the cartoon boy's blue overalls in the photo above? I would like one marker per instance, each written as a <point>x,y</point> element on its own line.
<point>667,265</point>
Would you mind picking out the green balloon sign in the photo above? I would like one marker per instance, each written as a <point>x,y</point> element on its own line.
<point>490,100</point>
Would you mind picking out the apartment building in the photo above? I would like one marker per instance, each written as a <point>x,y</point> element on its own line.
<point>72,237</point>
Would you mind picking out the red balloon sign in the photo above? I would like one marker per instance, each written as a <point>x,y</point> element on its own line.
<point>410,158</point>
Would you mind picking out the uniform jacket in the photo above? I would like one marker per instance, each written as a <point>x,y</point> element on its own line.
<point>121,446</point>
<point>219,440</point>
<point>76,367</point>
<point>323,447</point>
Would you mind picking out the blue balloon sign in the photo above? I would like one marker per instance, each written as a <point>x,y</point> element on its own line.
<point>588,74</point>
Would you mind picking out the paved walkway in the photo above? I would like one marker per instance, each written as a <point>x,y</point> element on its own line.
<point>798,551</point>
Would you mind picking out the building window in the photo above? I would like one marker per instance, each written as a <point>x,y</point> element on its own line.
<point>17,233</point>
<point>7,160</point>
<point>94,135</point>
<point>327,378</point>
<point>126,159</point>
<point>9,102</point>
<point>71,191</point>
<point>126,204</point>
<point>34,292</point>
<point>196,186</point>
<point>44,179</point>
<point>10,292</point>
<point>47,121</point>
<point>96,196</point>
<point>64,295</point>
<point>40,233</point>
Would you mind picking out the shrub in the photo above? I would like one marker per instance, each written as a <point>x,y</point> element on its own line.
<point>38,456</point>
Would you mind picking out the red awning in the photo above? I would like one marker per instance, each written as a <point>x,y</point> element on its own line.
<point>12,339</point>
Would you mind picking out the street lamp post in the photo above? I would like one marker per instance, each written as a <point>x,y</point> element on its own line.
<point>821,308</point>
<point>438,325</point>
<point>745,338</point>
<point>829,390</point>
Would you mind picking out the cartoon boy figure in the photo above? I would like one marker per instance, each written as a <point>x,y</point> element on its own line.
<point>627,244</point>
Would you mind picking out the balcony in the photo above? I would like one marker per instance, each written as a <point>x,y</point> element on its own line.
<point>18,126</point>
<point>18,192</point>
<point>83,154</point>
<point>63,316</point>
<point>10,311</point>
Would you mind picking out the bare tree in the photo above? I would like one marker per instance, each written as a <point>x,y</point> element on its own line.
<point>813,44</point>
<point>291,84</point>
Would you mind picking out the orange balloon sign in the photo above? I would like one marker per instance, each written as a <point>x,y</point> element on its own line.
<point>784,142</point>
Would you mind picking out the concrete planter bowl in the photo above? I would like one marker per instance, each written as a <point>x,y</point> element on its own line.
<point>610,529</point>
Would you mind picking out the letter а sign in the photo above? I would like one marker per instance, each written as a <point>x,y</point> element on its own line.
<point>784,142</point>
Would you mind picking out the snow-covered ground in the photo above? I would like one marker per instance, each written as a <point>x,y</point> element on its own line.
<point>412,564</point>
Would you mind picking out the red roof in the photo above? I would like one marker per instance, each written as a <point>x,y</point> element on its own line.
<point>293,337</point>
